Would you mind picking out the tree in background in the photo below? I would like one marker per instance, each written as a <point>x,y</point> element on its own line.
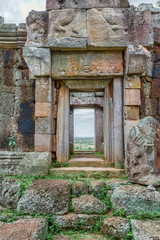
<point>158,3</point>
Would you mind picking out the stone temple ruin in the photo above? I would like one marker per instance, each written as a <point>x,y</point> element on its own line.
<point>103,55</point>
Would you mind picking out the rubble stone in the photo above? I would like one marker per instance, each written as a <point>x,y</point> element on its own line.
<point>46,196</point>
<point>136,199</point>
<point>88,205</point>
<point>117,227</point>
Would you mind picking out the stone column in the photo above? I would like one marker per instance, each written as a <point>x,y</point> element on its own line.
<point>107,125</point>
<point>63,124</point>
<point>71,130</point>
<point>118,149</point>
<point>98,128</point>
<point>43,115</point>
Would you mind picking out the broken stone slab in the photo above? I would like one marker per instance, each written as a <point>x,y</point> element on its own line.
<point>79,189</point>
<point>38,60</point>
<point>24,163</point>
<point>46,196</point>
<point>35,164</point>
<point>85,4</point>
<point>76,221</point>
<point>138,60</point>
<point>136,199</point>
<point>96,188</point>
<point>148,230</point>
<point>117,227</point>
<point>68,43</point>
<point>88,205</point>
<point>142,157</point>
<point>9,193</point>
<point>35,228</point>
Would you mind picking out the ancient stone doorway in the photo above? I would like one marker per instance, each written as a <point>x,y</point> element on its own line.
<point>110,110</point>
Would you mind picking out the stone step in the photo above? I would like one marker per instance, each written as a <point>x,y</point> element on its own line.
<point>88,172</point>
<point>87,162</point>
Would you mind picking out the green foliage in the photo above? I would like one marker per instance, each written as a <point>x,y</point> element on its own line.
<point>145,215</point>
<point>158,3</point>
<point>120,212</point>
<point>12,143</point>
<point>122,166</point>
<point>100,155</point>
<point>59,164</point>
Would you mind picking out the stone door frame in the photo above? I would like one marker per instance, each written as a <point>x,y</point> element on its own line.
<point>113,121</point>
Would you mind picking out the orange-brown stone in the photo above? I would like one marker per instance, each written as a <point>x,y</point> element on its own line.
<point>132,97</point>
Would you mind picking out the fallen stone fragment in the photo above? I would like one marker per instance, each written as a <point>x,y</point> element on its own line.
<point>46,196</point>
<point>116,226</point>
<point>24,229</point>
<point>74,221</point>
<point>88,205</point>
<point>147,230</point>
<point>9,193</point>
<point>136,199</point>
<point>79,188</point>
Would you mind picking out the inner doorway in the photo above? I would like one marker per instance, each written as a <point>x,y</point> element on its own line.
<point>84,130</point>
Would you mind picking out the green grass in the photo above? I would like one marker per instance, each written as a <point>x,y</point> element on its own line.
<point>84,144</point>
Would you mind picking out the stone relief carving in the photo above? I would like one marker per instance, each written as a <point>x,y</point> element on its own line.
<point>36,27</point>
<point>67,23</point>
<point>143,165</point>
<point>86,64</point>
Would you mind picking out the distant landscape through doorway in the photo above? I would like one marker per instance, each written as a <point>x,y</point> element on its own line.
<point>84,130</point>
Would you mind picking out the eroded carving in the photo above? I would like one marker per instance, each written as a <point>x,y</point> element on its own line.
<point>87,64</point>
<point>142,154</point>
<point>36,28</point>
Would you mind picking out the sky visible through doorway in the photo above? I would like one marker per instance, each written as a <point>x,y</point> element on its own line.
<point>84,123</point>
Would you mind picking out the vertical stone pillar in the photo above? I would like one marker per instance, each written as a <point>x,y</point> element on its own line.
<point>43,115</point>
<point>118,149</point>
<point>71,131</point>
<point>107,125</point>
<point>98,128</point>
<point>39,63</point>
<point>63,124</point>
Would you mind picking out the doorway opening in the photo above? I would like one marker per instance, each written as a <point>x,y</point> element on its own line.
<point>84,130</point>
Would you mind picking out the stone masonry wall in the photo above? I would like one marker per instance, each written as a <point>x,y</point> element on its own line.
<point>16,101</point>
<point>150,89</point>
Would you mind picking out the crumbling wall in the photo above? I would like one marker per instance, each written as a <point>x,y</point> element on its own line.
<point>17,92</point>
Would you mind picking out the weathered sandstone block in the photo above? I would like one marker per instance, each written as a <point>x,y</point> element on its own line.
<point>72,220</point>
<point>114,183</point>
<point>85,4</point>
<point>28,229</point>
<point>88,205</point>
<point>145,229</point>
<point>9,193</point>
<point>132,97</point>
<point>142,158</point>
<point>135,199</point>
<point>35,164</point>
<point>116,227</point>
<point>38,60</point>
<point>46,196</point>
<point>137,60</point>
<point>19,163</point>
<point>66,27</point>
